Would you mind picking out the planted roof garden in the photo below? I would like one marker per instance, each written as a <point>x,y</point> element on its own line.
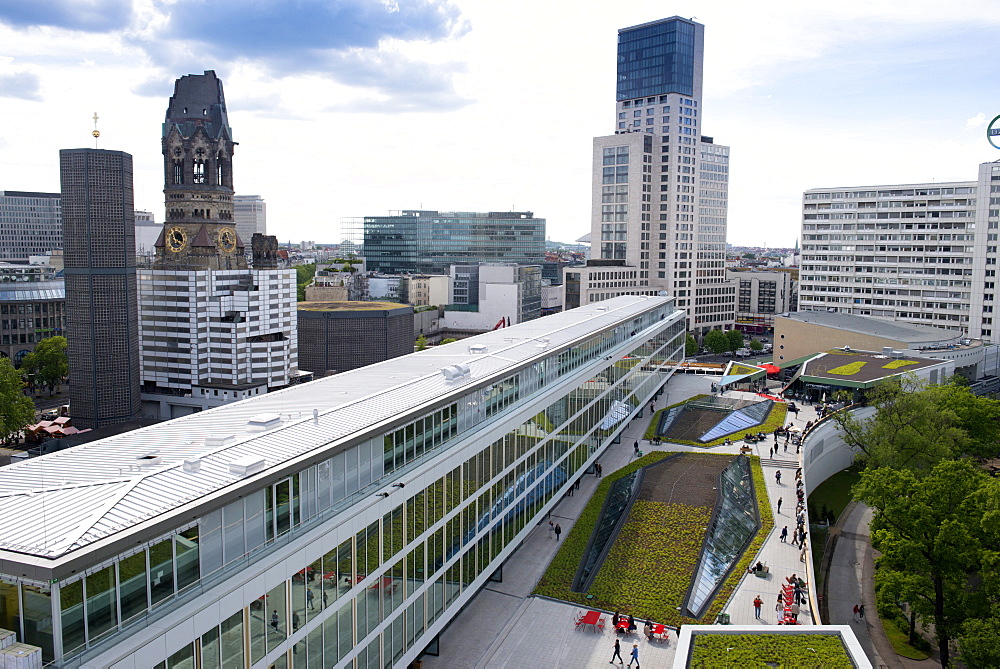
<point>812,651</point>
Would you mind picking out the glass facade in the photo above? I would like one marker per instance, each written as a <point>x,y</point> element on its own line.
<point>656,58</point>
<point>429,242</point>
<point>617,503</point>
<point>372,596</point>
<point>733,526</point>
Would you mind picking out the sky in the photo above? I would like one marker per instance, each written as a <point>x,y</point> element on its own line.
<point>346,108</point>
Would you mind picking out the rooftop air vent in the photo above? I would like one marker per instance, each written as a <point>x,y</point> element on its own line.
<point>151,458</point>
<point>455,372</point>
<point>478,349</point>
<point>246,466</point>
<point>192,465</point>
<point>602,308</point>
<point>264,421</point>
<point>219,440</point>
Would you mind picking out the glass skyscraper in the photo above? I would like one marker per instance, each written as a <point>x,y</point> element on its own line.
<point>659,57</point>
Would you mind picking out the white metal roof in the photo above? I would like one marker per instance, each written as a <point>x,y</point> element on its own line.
<point>58,503</point>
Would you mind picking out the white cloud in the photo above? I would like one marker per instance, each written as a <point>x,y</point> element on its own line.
<point>977,121</point>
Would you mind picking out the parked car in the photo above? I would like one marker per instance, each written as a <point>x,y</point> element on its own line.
<point>743,352</point>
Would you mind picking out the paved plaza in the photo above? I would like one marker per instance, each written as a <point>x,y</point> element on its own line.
<point>504,626</point>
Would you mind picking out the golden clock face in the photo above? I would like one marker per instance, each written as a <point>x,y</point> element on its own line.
<point>227,240</point>
<point>176,239</point>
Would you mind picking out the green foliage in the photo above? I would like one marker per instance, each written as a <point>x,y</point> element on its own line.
<point>849,369</point>
<point>654,420</point>
<point>48,361</point>
<point>979,645</point>
<point>449,340</point>
<point>928,531</point>
<point>16,410</point>
<point>303,277</point>
<point>917,426</point>
<point>421,343</point>
<point>690,346</point>
<point>897,636</point>
<point>896,364</point>
<point>755,345</point>
<point>716,341</point>
<point>735,339</point>
<point>822,651</point>
<point>648,570</point>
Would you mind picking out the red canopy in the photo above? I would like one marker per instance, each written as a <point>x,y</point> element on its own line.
<point>769,368</point>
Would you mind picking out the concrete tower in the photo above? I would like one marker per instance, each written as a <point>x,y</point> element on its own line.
<point>101,298</point>
<point>200,230</point>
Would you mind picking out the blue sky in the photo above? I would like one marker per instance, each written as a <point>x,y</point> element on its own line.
<point>350,107</point>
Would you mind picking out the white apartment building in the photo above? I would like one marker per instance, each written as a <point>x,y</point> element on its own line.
<point>211,337</point>
<point>250,216</point>
<point>921,253</point>
<point>660,187</point>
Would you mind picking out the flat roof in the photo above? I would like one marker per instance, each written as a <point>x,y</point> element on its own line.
<point>55,504</point>
<point>877,327</point>
<point>862,367</point>
<point>350,306</point>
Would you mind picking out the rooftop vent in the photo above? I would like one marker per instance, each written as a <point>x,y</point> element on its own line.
<point>151,458</point>
<point>192,465</point>
<point>264,421</point>
<point>455,372</point>
<point>219,440</point>
<point>478,349</point>
<point>246,466</point>
<point>602,308</point>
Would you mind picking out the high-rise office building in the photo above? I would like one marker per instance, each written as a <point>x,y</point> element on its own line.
<point>660,187</point>
<point>250,214</point>
<point>213,329</point>
<point>101,298</point>
<point>30,224</point>
<point>922,253</point>
<point>429,242</point>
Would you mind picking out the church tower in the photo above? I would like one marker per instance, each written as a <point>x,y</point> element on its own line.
<point>198,179</point>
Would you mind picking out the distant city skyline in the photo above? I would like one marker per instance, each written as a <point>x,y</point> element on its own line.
<point>399,105</point>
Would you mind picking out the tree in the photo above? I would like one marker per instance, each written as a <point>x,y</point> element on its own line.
<point>716,341</point>
<point>928,531</point>
<point>421,343</point>
<point>735,338</point>
<point>913,427</point>
<point>16,410</point>
<point>750,256</point>
<point>755,345</point>
<point>690,346</point>
<point>448,340</point>
<point>48,362</point>
<point>303,277</point>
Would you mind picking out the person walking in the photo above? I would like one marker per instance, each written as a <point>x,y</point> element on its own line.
<point>558,531</point>
<point>784,534</point>
<point>552,529</point>
<point>617,653</point>
<point>325,602</point>
<point>757,603</point>
<point>861,612</point>
<point>309,598</point>
<point>794,608</point>
<point>855,611</point>
<point>777,476</point>
<point>635,446</point>
<point>779,504</point>
<point>634,656</point>
<point>600,470</point>
<point>274,620</point>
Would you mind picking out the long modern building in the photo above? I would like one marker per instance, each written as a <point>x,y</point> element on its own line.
<point>660,186</point>
<point>30,224</point>
<point>920,253</point>
<point>429,242</point>
<point>32,308</point>
<point>102,323</point>
<point>340,523</point>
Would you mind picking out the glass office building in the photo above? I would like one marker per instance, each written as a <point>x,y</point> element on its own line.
<point>659,57</point>
<point>429,242</point>
<point>340,523</point>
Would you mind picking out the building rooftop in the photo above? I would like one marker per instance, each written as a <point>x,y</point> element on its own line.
<point>861,367</point>
<point>915,335</point>
<point>351,306</point>
<point>53,505</point>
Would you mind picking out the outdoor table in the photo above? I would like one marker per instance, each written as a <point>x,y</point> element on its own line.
<point>623,625</point>
<point>591,618</point>
<point>660,631</point>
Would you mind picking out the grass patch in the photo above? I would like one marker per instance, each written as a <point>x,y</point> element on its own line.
<point>896,364</point>
<point>654,421</point>
<point>756,650</point>
<point>849,369</point>
<point>649,568</point>
<point>899,639</point>
<point>834,493</point>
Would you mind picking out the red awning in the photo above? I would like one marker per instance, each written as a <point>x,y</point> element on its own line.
<point>769,368</point>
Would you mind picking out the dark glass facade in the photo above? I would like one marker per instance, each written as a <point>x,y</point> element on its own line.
<point>657,58</point>
<point>429,242</point>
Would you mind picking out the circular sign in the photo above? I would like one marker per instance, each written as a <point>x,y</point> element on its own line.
<point>993,132</point>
